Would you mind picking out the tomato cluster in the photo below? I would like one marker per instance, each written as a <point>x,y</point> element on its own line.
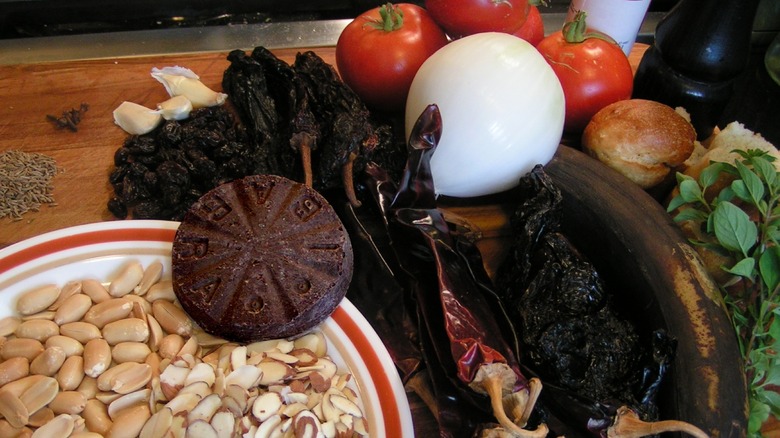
<point>379,53</point>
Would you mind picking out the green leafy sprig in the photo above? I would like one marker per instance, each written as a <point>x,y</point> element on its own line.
<point>741,221</point>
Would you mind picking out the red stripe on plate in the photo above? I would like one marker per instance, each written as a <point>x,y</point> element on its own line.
<point>83,239</point>
<point>375,368</point>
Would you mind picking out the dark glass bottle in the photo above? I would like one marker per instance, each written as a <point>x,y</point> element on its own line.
<point>700,48</point>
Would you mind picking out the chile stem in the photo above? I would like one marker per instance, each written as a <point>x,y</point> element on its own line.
<point>494,387</point>
<point>349,185</point>
<point>628,425</point>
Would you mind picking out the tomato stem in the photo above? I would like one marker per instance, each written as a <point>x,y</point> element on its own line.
<point>576,31</point>
<point>391,18</point>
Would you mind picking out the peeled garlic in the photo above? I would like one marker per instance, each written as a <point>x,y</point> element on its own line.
<point>136,119</point>
<point>175,108</point>
<point>179,81</point>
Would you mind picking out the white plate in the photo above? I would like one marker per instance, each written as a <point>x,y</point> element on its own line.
<point>99,250</point>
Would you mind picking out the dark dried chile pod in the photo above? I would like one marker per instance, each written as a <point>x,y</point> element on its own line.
<point>455,312</point>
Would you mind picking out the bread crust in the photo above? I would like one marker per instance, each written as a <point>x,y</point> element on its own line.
<point>642,139</point>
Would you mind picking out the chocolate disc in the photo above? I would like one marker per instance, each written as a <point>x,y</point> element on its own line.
<point>259,258</point>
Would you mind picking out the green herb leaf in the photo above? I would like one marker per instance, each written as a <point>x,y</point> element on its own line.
<point>765,169</point>
<point>769,267</point>
<point>743,268</point>
<point>675,203</point>
<point>733,228</point>
<point>752,182</point>
<point>690,214</point>
<point>690,190</point>
<point>710,174</point>
<point>759,413</point>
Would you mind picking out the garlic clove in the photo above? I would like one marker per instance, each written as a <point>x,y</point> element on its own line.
<point>179,81</point>
<point>175,108</point>
<point>136,119</point>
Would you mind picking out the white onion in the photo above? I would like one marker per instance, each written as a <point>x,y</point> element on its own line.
<point>502,110</point>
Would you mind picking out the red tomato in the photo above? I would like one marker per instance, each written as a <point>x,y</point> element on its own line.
<point>465,17</point>
<point>533,28</point>
<point>379,62</point>
<point>594,71</point>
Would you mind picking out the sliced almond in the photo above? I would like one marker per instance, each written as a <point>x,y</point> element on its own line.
<point>266,405</point>
<point>224,423</point>
<point>205,409</point>
<point>201,429</point>
<point>274,372</point>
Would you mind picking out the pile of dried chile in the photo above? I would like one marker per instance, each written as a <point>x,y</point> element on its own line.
<point>301,122</point>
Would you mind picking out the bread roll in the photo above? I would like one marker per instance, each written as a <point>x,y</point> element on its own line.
<point>642,139</point>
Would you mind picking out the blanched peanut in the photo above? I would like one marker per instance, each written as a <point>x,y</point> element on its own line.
<point>97,357</point>
<point>72,309</point>
<point>71,373</point>
<point>14,369</point>
<point>48,362</point>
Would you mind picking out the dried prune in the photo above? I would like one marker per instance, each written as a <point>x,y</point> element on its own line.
<point>160,174</point>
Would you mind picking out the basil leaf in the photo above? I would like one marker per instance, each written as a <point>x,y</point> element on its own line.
<point>690,214</point>
<point>675,203</point>
<point>743,268</point>
<point>765,169</point>
<point>733,228</point>
<point>769,267</point>
<point>690,191</point>
<point>740,189</point>
<point>753,183</point>
<point>710,174</point>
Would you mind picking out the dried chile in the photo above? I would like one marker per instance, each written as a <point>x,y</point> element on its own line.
<point>455,309</point>
<point>350,138</point>
<point>245,82</point>
<point>601,377</point>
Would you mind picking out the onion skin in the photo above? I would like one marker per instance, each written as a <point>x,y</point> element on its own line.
<point>502,109</point>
